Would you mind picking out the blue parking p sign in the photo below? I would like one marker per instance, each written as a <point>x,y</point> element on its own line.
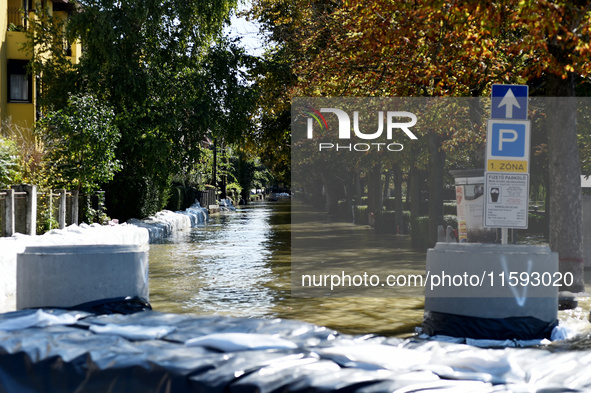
<point>508,140</point>
<point>507,146</point>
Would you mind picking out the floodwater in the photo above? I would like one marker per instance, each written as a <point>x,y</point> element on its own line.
<point>239,264</point>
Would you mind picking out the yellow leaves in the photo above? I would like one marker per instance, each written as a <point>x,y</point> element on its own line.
<point>439,46</point>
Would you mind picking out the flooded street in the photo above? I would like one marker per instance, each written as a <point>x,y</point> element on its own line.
<point>225,267</point>
<point>239,264</point>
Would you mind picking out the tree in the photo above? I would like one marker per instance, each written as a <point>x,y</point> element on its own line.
<point>452,48</point>
<point>47,38</point>
<point>148,60</point>
<point>168,75</point>
<point>556,46</point>
<point>270,135</point>
<point>80,141</point>
<point>390,48</point>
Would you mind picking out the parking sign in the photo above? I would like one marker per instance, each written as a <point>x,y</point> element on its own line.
<point>507,159</point>
<point>507,146</point>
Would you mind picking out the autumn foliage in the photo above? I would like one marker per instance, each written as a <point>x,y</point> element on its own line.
<point>441,48</point>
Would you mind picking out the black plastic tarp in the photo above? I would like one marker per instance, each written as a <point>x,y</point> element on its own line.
<point>73,351</point>
<point>514,328</point>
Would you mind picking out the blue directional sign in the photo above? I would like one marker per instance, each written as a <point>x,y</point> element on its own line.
<point>509,102</point>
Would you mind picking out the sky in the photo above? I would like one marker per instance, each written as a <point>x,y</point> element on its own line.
<point>248,32</point>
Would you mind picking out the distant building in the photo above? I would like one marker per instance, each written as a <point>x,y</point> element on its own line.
<point>18,89</point>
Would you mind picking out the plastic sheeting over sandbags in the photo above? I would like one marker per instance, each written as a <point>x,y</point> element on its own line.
<point>166,223</point>
<point>153,229</point>
<point>82,234</point>
<point>68,351</point>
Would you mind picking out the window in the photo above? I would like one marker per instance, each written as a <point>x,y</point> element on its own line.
<point>19,83</point>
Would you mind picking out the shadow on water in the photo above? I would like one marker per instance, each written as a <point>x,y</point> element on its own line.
<point>240,265</point>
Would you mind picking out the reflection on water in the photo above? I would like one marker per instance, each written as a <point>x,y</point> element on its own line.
<point>334,253</point>
<point>240,265</point>
<point>221,268</point>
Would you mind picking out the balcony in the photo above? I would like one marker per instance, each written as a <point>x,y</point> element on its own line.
<point>14,43</point>
<point>16,20</point>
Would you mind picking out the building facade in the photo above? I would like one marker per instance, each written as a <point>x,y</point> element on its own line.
<point>19,89</point>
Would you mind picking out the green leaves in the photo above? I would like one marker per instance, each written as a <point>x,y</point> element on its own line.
<point>9,162</point>
<point>80,141</point>
<point>170,80</point>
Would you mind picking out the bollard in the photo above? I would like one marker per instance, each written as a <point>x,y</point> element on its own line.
<point>9,212</point>
<point>440,234</point>
<point>28,215</point>
<point>62,209</point>
<point>74,207</point>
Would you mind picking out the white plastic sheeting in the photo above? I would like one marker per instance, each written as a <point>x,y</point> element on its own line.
<point>165,223</point>
<point>39,319</point>
<point>197,214</point>
<point>226,205</point>
<point>141,232</point>
<point>230,342</point>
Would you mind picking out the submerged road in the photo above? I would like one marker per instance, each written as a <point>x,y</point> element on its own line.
<point>240,265</point>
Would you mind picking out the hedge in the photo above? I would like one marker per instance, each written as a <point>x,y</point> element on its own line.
<point>360,215</point>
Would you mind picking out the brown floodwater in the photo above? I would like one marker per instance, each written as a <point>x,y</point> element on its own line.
<point>239,264</point>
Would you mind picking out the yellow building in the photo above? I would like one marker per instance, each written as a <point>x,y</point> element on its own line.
<point>18,89</point>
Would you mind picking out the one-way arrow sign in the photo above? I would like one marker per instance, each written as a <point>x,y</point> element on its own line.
<point>509,102</point>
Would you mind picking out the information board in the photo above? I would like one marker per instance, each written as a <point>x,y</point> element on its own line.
<point>507,200</point>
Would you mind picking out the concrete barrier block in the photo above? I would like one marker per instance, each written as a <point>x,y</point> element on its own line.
<point>64,276</point>
<point>587,231</point>
<point>478,280</point>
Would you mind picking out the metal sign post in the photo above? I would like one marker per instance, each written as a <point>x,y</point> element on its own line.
<point>507,160</point>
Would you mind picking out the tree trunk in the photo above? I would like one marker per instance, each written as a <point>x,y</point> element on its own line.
<point>215,164</point>
<point>414,191</point>
<point>333,188</point>
<point>358,193</point>
<point>224,188</point>
<point>224,191</point>
<point>436,173</point>
<point>547,205</point>
<point>374,190</point>
<point>387,177</point>
<point>347,210</point>
<point>398,208</point>
<point>316,192</point>
<point>243,178</point>
<point>566,223</point>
